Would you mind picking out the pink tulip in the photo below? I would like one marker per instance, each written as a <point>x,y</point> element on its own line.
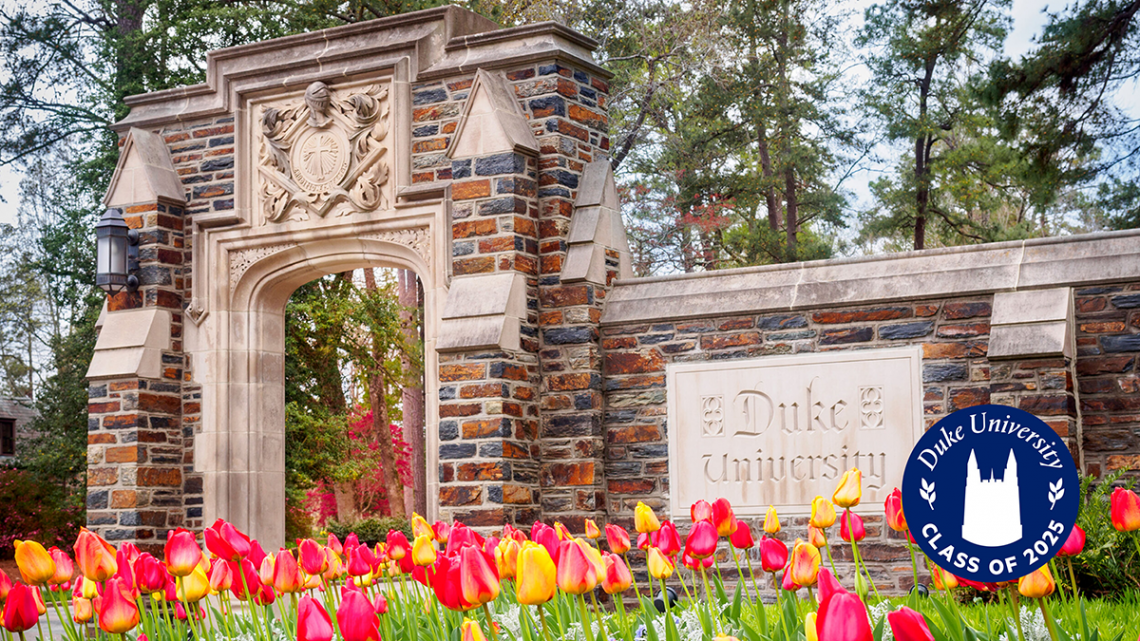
<point>313,622</point>
<point>1075,544</point>
<point>843,618</point>
<point>908,625</point>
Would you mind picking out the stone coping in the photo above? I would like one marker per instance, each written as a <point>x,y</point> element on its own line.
<point>1080,260</point>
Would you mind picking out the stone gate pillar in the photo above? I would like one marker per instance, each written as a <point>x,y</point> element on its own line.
<point>134,450</point>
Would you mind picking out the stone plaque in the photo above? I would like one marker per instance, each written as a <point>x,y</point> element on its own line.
<point>782,430</point>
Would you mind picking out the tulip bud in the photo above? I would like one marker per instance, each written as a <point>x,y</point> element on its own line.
<point>64,568</point>
<point>477,578</point>
<point>617,538</point>
<point>356,618</point>
<point>773,554</point>
<point>908,625</point>
<point>81,609</point>
<point>1075,544</point>
<point>810,633</point>
<point>470,631</point>
<point>592,531</point>
<point>506,558</point>
<point>577,573</point>
<point>95,557</point>
<point>893,506</point>
<point>850,489</point>
<point>442,531</point>
<point>851,527</point>
<point>423,550</point>
<point>313,559</point>
<point>723,518</point>
<point>313,622</point>
<point>805,563</point>
<point>421,527</point>
<point>195,587</point>
<point>943,580</point>
<point>772,521</point>
<point>644,519</point>
<point>1037,584</point>
<point>660,567</point>
<point>742,539</point>
<point>118,613</point>
<point>617,577</point>
<point>182,552</point>
<point>20,610</point>
<point>667,540</point>
<point>265,572</point>
<point>702,540</point>
<point>700,511</point>
<point>816,536</point>
<point>221,577</point>
<point>536,576</point>
<point>397,544</point>
<point>34,562</point>
<point>822,513</point>
<point>844,617</point>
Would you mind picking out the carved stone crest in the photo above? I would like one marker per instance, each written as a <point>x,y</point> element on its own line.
<point>327,153</point>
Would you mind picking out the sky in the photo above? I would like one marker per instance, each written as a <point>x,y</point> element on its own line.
<point>1028,18</point>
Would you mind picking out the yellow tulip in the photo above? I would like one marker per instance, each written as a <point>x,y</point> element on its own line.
<point>850,489</point>
<point>194,587</point>
<point>592,531</point>
<point>35,563</point>
<point>423,549</point>
<point>470,631</point>
<point>644,520</point>
<point>660,567</point>
<point>507,557</point>
<point>421,527</point>
<point>809,627</point>
<point>772,521</point>
<point>805,563</point>
<point>1037,584</point>
<point>536,577</point>
<point>822,513</point>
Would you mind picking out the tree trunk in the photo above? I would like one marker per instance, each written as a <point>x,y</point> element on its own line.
<point>792,210</point>
<point>922,145</point>
<point>413,396</point>
<point>766,170</point>
<point>345,496</point>
<point>377,386</point>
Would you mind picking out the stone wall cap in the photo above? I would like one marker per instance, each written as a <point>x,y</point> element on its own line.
<point>953,271</point>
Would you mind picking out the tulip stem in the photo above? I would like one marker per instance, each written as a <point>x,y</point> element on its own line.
<point>491,622</point>
<point>40,629</point>
<point>1016,611</point>
<point>587,629</point>
<point>1049,624</point>
<point>827,546</point>
<point>598,614</point>
<point>858,562</point>
<point>752,575</point>
<point>913,562</point>
<point>681,576</point>
<point>811,598</point>
<point>542,617</point>
<point>708,597</point>
<point>180,586</point>
<point>1072,577</point>
<point>740,575</point>
<point>632,575</point>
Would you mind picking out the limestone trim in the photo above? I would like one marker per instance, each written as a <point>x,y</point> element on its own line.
<point>144,173</point>
<point>242,259</point>
<point>959,271</point>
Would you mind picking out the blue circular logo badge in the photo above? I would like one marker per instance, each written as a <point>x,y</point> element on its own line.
<point>990,493</point>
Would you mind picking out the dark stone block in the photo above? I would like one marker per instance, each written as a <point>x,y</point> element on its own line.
<point>554,192</point>
<point>1124,343</point>
<point>100,518</point>
<point>491,450</point>
<point>429,96</point>
<point>194,512</point>
<point>582,77</point>
<point>653,339</point>
<point>495,493</point>
<point>214,164</point>
<point>448,430</point>
<point>548,106</point>
<point>462,249</point>
<point>583,401</point>
<point>96,391</point>
<point>843,336</point>
<point>456,450</point>
<point>906,330</point>
<point>118,535</point>
<point>1130,301</point>
<point>939,372</point>
<point>792,336</point>
<point>498,206</point>
<point>649,451</point>
<point>130,518</point>
<point>460,169</point>
<point>154,275</point>
<point>562,177</point>
<point>97,500</point>
<point>447,393</point>
<point>567,425</point>
<point>222,142</point>
<point>426,130</point>
<point>569,335</point>
<point>509,163</point>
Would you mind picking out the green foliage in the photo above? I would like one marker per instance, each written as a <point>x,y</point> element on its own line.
<point>371,530</point>
<point>33,511</point>
<point>1110,563</point>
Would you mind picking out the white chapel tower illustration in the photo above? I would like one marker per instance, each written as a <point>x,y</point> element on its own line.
<point>992,512</point>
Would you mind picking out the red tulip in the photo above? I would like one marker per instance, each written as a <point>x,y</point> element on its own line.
<point>828,586</point>
<point>313,559</point>
<point>787,584</point>
<point>545,536</point>
<point>479,580</point>
<point>1075,544</point>
<point>256,554</point>
<point>118,612</point>
<point>1125,510</point>
<point>221,577</point>
<point>442,531</point>
<point>908,625</point>
<point>843,618</point>
<point>618,577</point>
<point>334,544</point>
<point>286,574</point>
<point>644,540</point>
<point>20,611</point>
<point>701,511</point>
<point>245,575</point>
<point>381,606</point>
<point>576,573</point>
<point>773,554</point>
<point>313,622</point>
<point>723,518</point>
<point>618,538</point>
<point>696,564</point>
<point>893,506</point>
<point>351,541</point>
<point>398,546</point>
<point>131,551</point>
<point>360,563</point>
<point>150,575</point>
<point>5,585</point>
<point>180,612</point>
<point>702,540</point>
<point>64,568</point>
<point>462,536</point>
<point>851,525</point>
<point>742,539</point>
<point>667,540</point>
<point>445,582</point>
<point>357,618</point>
<point>226,542</point>
<point>182,552</point>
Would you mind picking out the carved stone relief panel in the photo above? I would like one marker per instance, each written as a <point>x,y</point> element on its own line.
<point>325,154</point>
<point>781,430</point>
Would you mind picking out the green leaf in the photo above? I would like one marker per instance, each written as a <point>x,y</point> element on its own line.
<point>737,601</point>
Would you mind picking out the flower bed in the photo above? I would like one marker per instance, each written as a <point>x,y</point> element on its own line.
<point>449,582</point>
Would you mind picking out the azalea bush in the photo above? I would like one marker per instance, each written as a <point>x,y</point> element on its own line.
<point>445,581</point>
<point>33,510</point>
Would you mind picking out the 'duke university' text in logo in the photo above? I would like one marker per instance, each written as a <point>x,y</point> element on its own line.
<point>990,493</point>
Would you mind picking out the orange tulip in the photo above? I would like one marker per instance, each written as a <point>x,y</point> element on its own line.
<point>592,531</point>
<point>506,558</point>
<point>1125,510</point>
<point>805,563</point>
<point>313,621</point>
<point>577,574</point>
<point>477,578</point>
<point>471,631</point>
<point>95,557</point>
<point>644,520</point>
<point>182,552</point>
<point>265,572</point>
<point>118,612</point>
<point>35,563</point>
<point>423,550</point>
<point>20,611</point>
<point>82,610</point>
<point>660,567</point>
<point>816,536</point>
<point>618,538</point>
<point>893,506</point>
<point>286,574</point>
<point>943,580</point>
<point>335,568</point>
<point>41,607</point>
<point>617,577</point>
<point>536,575</point>
<point>822,513</point>
<point>723,518</point>
<point>772,521</point>
<point>850,489</point>
<point>1037,584</point>
<point>420,527</point>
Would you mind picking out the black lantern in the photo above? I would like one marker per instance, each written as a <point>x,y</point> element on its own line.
<point>116,245</point>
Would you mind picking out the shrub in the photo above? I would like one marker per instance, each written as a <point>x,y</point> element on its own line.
<point>1110,562</point>
<point>34,510</point>
<point>370,530</point>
